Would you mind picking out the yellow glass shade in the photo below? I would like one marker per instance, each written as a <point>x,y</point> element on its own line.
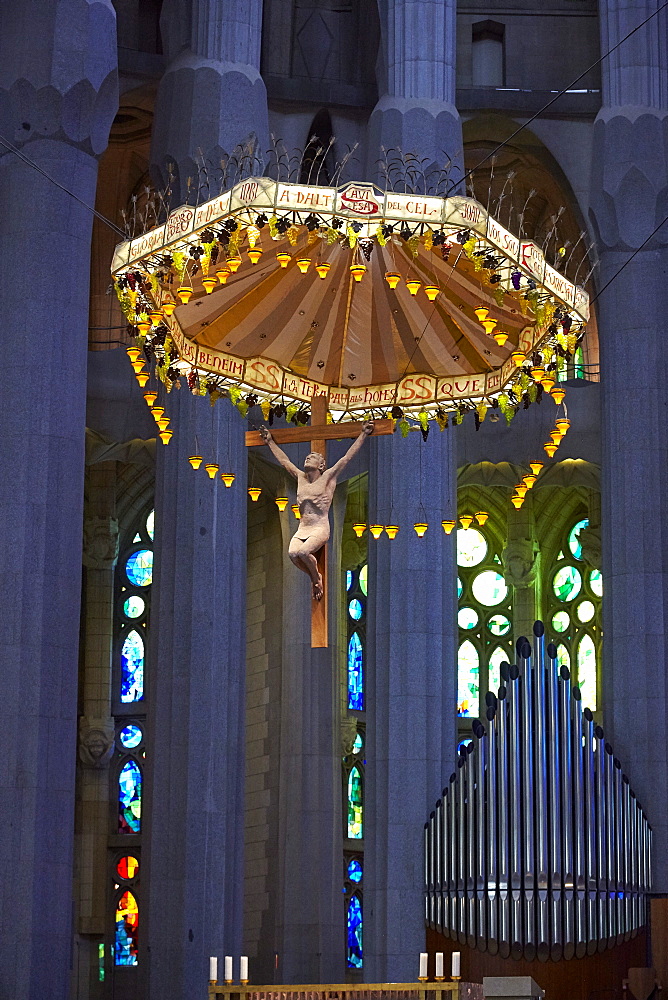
<point>295,511</point>
<point>550,449</point>
<point>413,285</point>
<point>448,526</point>
<point>535,467</point>
<point>490,325</point>
<point>254,254</point>
<point>157,412</point>
<point>392,530</point>
<point>227,477</point>
<point>481,313</point>
<point>143,326</point>
<point>500,338</point>
<point>562,424</point>
<point>195,461</point>
<point>558,395</point>
<point>556,437</point>
<point>529,481</point>
<point>150,397</point>
<point>209,284</point>
<point>137,366</point>
<point>234,263</point>
<point>223,273</point>
<point>165,436</point>
<point>547,383</point>
<point>322,268</point>
<point>184,293</point>
<point>521,490</point>
<point>283,258</point>
<point>537,373</point>
<point>358,271</point>
<point>133,353</point>
<point>466,520</point>
<point>142,378</point>
<point>163,423</point>
<point>254,493</point>
<point>481,517</point>
<point>420,528</point>
<point>359,529</point>
<point>517,502</point>
<point>281,503</point>
<point>392,278</point>
<point>155,316</point>
<point>303,264</point>
<point>431,291</point>
<point>212,469</point>
<point>168,307</point>
<point>376,530</point>
<point>518,358</point>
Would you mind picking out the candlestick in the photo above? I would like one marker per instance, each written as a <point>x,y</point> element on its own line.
<point>423,966</point>
<point>243,969</point>
<point>439,967</point>
<point>456,969</point>
<point>228,969</point>
<point>213,970</point>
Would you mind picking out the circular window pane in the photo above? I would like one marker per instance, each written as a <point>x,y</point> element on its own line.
<point>139,568</point>
<point>561,621</point>
<point>586,611</point>
<point>134,607</point>
<point>130,736</point>
<point>471,547</point>
<point>596,582</point>
<point>127,867</point>
<point>358,744</point>
<point>499,625</point>
<point>355,609</point>
<point>355,871</point>
<point>460,589</point>
<point>489,588</point>
<point>150,524</point>
<point>574,537</point>
<point>363,578</point>
<point>566,583</point>
<point>467,618</point>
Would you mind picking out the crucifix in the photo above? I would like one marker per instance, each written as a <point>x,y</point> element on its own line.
<point>316,484</point>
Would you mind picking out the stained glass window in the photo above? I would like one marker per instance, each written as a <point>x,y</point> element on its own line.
<point>355,673</point>
<point>471,547</point>
<point>355,609</point>
<point>139,568</point>
<point>130,736</point>
<point>355,870</point>
<point>355,805</point>
<point>356,599</point>
<point>468,672</point>
<point>567,583</point>
<point>129,798</point>
<point>132,667</point>
<point>355,954</point>
<point>127,926</point>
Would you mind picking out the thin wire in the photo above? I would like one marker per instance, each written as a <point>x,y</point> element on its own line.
<point>628,261</point>
<point>560,94</point>
<point>31,163</point>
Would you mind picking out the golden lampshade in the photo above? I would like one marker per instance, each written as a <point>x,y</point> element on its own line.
<point>558,395</point>
<point>521,490</point>
<point>431,291</point>
<point>184,293</point>
<point>547,382</point>
<point>157,412</point>
<point>155,316</point>
<point>490,326</point>
<point>556,437</point>
<point>228,478</point>
<point>535,467</point>
<point>466,520</point>
<point>420,528</point>
<point>208,284</point>
<point>296,511</point>
<point>358,271</point>
<point>150,397</point>
<point>481,517</point>
<point>392,278</point>
<point>254,254</point>
<point>562,424</point>
<point>323,268</point>
<point>165,436</point>
<point>448,526</point>
<point>392,530</point>
<point>163,423</point>
<point>133,353</point>
<point>137,366</point>
<point>222,273</point>
<point>254,493</point>
<point>518,358</point>
<point>142,378</point>
<point>550,449</point>
<point>212,469</point>
<point>303,264</point>
<point>413,285</point>
<point>359,529</point>
<point>234,263</point>
<point>517,502</point>
<point>168,306</point>
<point>376,530</point>
<point>481,313</point>
<point>281,503</point>
<point>195,461</point>
<point>283,258</point>
<point>529,481</point>
<point>143,326</point>
<point>538,373</point>
<point>500,338</point>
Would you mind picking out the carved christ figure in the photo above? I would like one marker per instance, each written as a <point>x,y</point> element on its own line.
<point>315,490</point>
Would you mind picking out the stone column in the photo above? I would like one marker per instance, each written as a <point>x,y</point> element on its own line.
<point>411,690</point>
<point>628,198</point>
<point>416,112</point>
<point>58,95</point>
<point>194,782</point>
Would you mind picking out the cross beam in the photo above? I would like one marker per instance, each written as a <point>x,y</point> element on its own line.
<point>318,432</point>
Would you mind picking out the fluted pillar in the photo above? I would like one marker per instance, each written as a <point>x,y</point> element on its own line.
<point>58,96</point>
<point>416,112</point>
<point>628,198</point>
<point>411,689</point>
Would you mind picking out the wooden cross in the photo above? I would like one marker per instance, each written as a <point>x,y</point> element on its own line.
<point>318,433</point>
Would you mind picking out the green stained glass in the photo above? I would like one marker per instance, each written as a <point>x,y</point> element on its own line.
<point>567,583</point>
<point>129,798</point>
<point>586,657</point>
<point>355,808</point>
<point>460,588</point>
<point>489,588</point>
<point>139,568</point>
<point>574,538</point>
<point>134,607</point>
<point>467,618</point>
<point>563,656</point>
<point>498,625</point>
<point>363,578</point>
<point>578,359</point>
<point>560,621</point>
<point>596,582</point>
<point>471,547</point>
<point>100,962</point>
<point>468,679</point>
<point>495,661</point>
<point>586,611</point>
<point>150,524</point>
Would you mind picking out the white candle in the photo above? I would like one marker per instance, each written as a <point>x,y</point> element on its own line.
<point>213,970</point>
<point>228,968</point>
<point>243,967</point>
<point>423,965</point>
<point>456,964</point>
<point>439,964</point>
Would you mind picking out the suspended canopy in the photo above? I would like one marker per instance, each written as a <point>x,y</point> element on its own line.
<point>282,291</point>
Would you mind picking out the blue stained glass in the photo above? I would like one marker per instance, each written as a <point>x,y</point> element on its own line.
<point>130,736</point>
<point>355,870</point>
<point>355,673</point>
<point>355,957</point>
<point>358,744</point>
<point>132,667</point>
<point>355,609</point>
<point>127,925</point>
<point>349,579</point>
<point>139,568</point>
<point>129,798</point>
<point>574,538</point>
<point>355,805</point>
